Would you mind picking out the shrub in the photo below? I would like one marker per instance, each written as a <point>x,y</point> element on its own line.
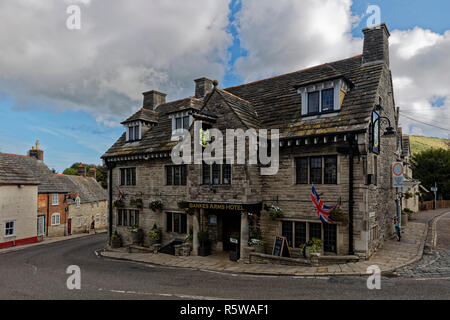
<point>338,215</point>
<point>156,205</point>
<point>274,211</point>
<point>203,238</point>
<point>119,204</point>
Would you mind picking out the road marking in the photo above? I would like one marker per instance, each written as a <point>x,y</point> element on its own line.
<point>435,235</point>
<point>167,295</point>
<point>428,279</point>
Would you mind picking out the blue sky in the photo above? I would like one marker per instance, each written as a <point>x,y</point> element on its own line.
<point>71,135</point>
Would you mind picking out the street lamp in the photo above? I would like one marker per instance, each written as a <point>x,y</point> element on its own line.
<point>390,132</point>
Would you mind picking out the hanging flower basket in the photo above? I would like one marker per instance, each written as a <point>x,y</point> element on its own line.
<point>138,203</point>
<point>156,205</point>
<point>119,204</point>
<point>274,211</point>
<point>338,215</point>
<point>185,206</point>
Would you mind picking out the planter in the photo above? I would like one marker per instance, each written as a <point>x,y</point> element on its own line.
<point>204,251</point>
<point>137,237</point>
<point>234,255</point>
<point>152,241</point>
<point>259,248</point>
<point>116,243</point>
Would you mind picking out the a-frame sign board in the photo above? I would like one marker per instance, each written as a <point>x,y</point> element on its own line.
<point>281,247</point>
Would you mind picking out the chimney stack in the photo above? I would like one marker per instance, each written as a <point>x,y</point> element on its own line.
<point>36,152</point>
<point>81,170</point>
<point>153,98</point>
<point>93,173</point>
<point>203,86</point>
<point>376,44</point>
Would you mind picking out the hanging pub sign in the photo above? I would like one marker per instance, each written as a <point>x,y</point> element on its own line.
<point>375,133</point>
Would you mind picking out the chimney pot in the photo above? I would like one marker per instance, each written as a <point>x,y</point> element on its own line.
<point>153,98</point>
<point>36,152</point>
<point>93,172</point>
<point>376,44</point>
<point>203,86</point>
<point>81,170</point>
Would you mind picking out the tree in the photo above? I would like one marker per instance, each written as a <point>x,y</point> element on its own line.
<point>432,166</point>
<point>101,172</point>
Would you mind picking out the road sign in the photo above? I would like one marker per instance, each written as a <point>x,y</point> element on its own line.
<point>397,174</point>
<point>434,189</point>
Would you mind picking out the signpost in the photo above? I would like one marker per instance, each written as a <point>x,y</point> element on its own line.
<point>435,189</point>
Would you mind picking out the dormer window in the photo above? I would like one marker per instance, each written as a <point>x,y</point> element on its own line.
<point>180,121</point>
<point>323,97</point>
<point>133,131</point>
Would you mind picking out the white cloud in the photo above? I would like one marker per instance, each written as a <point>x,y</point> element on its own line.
<point>120,51</point>
<point>297,34</point>
<point>293,34</point>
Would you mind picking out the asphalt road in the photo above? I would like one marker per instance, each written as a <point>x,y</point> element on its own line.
<point>40,273</point>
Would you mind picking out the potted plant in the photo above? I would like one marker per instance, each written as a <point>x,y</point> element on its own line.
<point>274,211</point>
<point>204,248</point>
<point>255,240</point>
<point>119,204</point>
<point>314,247</point>
<point>154,235</point>
<point>156,205</point>
<point>338,215</point>
<point>116,240</point>
<point>137,234</point>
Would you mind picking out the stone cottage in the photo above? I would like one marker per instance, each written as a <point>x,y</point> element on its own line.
<point>337,127</point>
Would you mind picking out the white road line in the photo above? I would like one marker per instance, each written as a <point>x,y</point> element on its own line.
<point>169,295</point>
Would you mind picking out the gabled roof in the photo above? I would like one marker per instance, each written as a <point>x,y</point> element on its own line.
<point>40,172</point>
<point>157,138</point>
<point>274,103</point>
<point>242,108</point>
<point>87,188</point>
<point>11,174</point>
<point>144,115</point>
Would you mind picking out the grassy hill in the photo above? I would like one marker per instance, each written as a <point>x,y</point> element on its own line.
<point>419,143</point>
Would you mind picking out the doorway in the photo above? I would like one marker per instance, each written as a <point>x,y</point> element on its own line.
<point>69,226</point>
<point>231,223</point>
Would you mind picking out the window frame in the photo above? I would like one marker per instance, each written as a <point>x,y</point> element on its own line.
<point>311,176</point>
<point>54,215</point>
<point>13,234</point>
<point>55,203</point>
<point>128,177</point>
<point>308,170</point>
<point>220,170</point>
<point>322,100</point>
<point>171,171</point>
<point>335,180</point>
<point>181,218</point>
<point>297,169</point>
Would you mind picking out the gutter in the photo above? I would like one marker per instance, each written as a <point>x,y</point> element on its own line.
<point>110,167</point>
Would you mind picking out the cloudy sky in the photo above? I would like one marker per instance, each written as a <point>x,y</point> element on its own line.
<point>71,88</point>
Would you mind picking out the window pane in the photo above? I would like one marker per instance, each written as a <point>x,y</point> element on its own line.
<point>125,218</point>
<point>169,175</point>
<point>179,123</point>
<point>132,218</point>
<point>136,133</point>
<point>216,173</point>
<point>128,177</point>
<point>133,176</point>
<point>329,238</point>
<point>313,102</point>
<point>206,173</point>
<point>315,231</point>
<point>136,217</point>
<point>330,170</point>
<point>176,175</point>
<point>226,173</point>
<point>302,170</point>
<point>183,175</point>
<point>186,122</point>
<point>316,170</point>
<point>176,222</point>
<point>327,100</point>
<point>169,222</point>
<point>287,231</point>
<point>300,233</point>
<point>130,134</point>
<point>119,217</point>
<point>122,177</point>
<point>184,223</point>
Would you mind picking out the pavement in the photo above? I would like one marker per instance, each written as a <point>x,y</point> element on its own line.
<point>39,272</point>
<point>392,256</point>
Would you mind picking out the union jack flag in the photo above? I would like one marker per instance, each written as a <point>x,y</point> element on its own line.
<point>322,210</point>
<point>120,196</point>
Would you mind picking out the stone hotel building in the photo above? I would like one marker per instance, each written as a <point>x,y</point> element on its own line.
<point>338,127</point>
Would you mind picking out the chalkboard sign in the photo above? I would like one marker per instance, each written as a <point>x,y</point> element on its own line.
<point>281,247</point>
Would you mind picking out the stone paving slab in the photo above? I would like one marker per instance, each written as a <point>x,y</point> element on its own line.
<point>393,255</point>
